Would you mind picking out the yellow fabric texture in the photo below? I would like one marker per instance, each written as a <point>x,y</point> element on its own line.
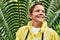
<point>49,33</point>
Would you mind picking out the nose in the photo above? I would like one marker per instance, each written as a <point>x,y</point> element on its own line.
<point>41,13</point>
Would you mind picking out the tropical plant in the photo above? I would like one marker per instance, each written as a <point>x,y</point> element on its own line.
<point>14,14</point>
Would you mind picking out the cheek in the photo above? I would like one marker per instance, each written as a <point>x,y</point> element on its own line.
<point>34,14</point>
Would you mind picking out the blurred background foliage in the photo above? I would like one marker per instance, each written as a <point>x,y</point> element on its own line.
<point>14,14</point>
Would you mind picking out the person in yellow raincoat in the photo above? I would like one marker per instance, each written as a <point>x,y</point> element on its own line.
<point>37,28</point>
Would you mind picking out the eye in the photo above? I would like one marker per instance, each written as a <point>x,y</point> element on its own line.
<point>43,11</point>
<point>37,10</point>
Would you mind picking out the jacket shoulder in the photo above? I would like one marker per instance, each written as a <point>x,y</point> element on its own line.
<point>21,32</point>
<point>52,30</point>
<point>53,33</point>
<point>21,29</point>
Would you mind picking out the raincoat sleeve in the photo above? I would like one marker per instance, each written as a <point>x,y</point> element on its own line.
<point>18,34</point>
<point>55,36</point>
<point>21,33</point>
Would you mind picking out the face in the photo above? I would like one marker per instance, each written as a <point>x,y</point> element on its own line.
<point>38,14</point>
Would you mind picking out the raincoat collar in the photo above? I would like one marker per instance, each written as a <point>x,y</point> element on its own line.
<point>43,28</point>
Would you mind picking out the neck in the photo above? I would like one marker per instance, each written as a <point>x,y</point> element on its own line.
<point>36,24</point>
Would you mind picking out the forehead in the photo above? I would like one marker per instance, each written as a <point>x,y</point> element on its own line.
<point>39,7</point>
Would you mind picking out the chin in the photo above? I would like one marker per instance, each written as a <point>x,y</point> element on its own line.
<point>40,20</point>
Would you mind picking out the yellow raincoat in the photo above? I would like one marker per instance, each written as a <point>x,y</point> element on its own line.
<point>49,33</point>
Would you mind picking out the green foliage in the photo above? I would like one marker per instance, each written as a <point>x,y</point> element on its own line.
<point>14,14</point>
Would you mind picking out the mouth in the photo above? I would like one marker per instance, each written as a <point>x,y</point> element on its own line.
<point>40,16</point>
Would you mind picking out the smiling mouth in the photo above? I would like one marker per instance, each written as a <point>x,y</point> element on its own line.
<point>40,16</point>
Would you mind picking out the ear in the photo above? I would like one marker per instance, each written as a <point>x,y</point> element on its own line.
<point>30,16</point>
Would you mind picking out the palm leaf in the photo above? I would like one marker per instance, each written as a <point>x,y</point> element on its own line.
<point>14,14</point>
